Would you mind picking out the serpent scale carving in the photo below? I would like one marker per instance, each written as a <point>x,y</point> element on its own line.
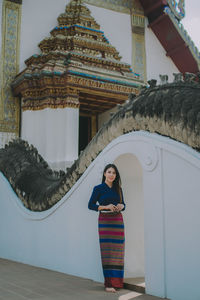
<point>170,109</point>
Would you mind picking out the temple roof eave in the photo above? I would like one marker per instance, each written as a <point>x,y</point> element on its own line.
<point>164,22</point>
<point>52,89</point>
<point>121,80</point>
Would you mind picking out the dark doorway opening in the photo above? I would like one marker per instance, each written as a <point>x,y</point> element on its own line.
<point>84,132</point>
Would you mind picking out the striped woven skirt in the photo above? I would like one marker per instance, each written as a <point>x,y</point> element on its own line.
<point>111,236</point>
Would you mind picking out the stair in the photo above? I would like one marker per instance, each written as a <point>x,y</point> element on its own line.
<point>135,284</point>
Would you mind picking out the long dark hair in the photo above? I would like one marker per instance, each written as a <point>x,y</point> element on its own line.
<point>117,181</point>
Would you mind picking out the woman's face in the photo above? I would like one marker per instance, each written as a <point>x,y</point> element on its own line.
<point>110,175</point>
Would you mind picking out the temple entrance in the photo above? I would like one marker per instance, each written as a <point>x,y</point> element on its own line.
<point>132,182</point>
<point>87,129</point>
<point>84,131</point>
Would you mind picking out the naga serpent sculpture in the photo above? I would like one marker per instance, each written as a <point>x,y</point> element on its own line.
<point>170,109</point>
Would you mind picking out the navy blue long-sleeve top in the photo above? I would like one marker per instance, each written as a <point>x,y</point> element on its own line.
<point>104,195</point>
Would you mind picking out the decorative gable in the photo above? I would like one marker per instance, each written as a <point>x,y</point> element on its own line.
<point>77,67</point>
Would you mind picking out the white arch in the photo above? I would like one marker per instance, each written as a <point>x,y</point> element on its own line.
<point>53,239</point>
<point>132,182</point>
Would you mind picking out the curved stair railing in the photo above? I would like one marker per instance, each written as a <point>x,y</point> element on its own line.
<point>169,109</point>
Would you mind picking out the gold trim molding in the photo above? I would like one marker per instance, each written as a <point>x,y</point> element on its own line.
<point>9,105</point>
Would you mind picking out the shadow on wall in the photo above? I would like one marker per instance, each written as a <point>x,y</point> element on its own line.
<point>132,183</point>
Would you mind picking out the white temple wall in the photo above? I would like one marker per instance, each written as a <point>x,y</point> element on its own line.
<point>54,132</point>
<point>170,176</point>
<point>182,245</point>
<point>117,29</point>
<point>156,60</point>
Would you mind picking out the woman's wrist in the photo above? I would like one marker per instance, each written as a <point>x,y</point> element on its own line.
<point>101,207</point>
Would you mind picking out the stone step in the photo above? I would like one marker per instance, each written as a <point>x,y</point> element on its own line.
<point>136,284</point>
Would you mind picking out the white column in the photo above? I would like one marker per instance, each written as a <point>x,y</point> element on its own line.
<point>54,132</point>
<point>155,281</point>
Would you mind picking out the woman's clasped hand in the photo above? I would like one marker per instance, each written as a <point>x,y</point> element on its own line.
<point>114,208</point>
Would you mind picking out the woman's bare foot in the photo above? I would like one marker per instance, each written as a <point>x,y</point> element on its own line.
<point>110,289</point>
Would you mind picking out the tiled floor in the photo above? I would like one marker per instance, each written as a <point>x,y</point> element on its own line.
<point>21,282</point>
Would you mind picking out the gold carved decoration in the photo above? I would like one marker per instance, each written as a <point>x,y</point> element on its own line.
<point>138,51</point>
<point>9,105</point>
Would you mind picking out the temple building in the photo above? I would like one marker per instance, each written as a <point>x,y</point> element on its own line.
<point>66,67</point>
<point>84,84</point>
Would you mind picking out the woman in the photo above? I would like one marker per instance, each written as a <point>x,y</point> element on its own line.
<point>107,198</point>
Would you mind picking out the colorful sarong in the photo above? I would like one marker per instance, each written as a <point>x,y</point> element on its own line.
<point>111,236</point>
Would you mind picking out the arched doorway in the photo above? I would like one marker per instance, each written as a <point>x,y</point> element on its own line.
<point>132,182</point>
